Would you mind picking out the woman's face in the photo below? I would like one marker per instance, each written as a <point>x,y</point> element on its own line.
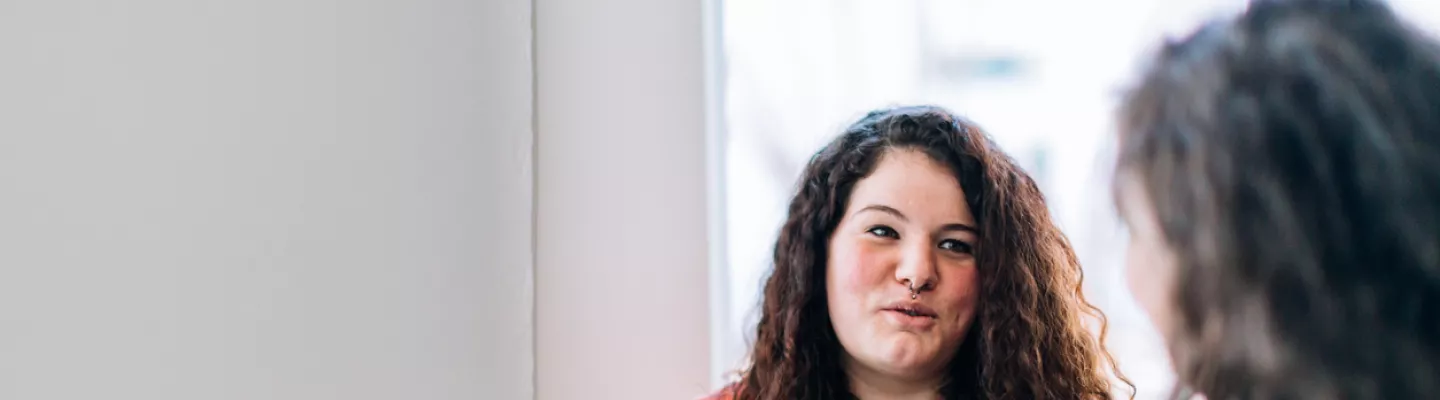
<point>906,222</point>
<point>1149,262</point>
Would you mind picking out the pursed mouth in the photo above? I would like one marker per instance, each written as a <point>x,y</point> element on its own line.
<point>913,311</point>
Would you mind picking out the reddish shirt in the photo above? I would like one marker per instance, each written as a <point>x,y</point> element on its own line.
<point>728,393</point>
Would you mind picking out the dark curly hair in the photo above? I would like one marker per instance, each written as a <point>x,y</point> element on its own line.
<point>1292,156</point>
<point>1029,339</point>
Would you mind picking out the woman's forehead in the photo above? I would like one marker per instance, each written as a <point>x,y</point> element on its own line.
<point>912,183</point>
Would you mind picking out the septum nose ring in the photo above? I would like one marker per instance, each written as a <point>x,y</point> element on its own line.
<point>913,295</point>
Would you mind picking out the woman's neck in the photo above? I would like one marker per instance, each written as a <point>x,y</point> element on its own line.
<point>869,384</point>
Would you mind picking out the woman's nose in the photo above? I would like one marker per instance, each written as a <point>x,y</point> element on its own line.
<point>917,267</point>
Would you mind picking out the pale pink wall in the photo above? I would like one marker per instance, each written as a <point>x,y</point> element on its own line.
<point>621,272</point>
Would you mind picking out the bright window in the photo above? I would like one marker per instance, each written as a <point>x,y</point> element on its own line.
<point>1043,83</point>
<point>1042,76</point>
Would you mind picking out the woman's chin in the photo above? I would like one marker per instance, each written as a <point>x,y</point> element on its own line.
<point>907,356</point>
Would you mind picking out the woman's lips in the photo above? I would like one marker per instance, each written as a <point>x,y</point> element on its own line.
<point>910,314</point>
<point>912,308</point>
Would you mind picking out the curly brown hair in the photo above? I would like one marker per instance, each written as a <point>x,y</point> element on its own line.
<point>1029,339</point>
<point>1291,156</point>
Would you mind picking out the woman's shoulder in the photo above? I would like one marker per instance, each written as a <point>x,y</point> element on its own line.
<point>720,395</point>
<point>726,393</point>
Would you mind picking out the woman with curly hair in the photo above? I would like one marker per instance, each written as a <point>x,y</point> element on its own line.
<point>918,261</point>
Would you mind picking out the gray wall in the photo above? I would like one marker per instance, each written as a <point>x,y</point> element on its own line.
<point>266,199</point>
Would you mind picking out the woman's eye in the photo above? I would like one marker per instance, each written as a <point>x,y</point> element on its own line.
<point>956,246</point>
<point>883,231</point>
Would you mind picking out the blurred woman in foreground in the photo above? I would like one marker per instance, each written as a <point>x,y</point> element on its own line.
<point>919,262</point>
<point>1280,175</point>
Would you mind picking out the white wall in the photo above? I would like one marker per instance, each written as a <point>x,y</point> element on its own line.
<point>622,309</point>
<point>266,199</point>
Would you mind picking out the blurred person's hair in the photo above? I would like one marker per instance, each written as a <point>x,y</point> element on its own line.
<point>1029,338</point>
<point>1292,157</point>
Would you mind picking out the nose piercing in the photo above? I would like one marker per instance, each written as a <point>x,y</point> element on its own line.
<point>913,295</point>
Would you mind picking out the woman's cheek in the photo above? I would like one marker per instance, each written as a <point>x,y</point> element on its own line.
<point>866,266</point>
<point>962,292</point>
<point>967,281</point>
